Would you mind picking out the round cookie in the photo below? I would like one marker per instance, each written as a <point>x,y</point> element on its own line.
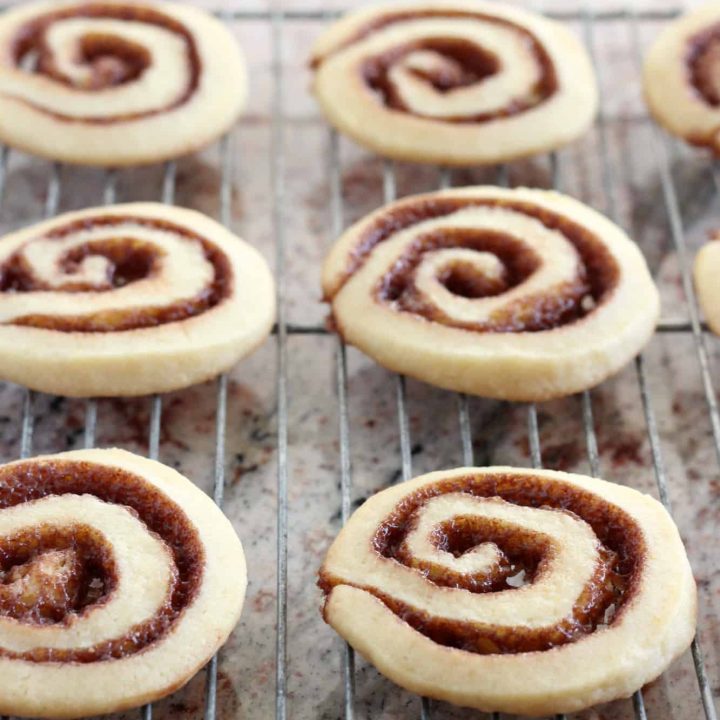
<point>116,82</point>
<point>120,580</point>
<point>423,582</point>
<point>681,77</point>
<point>707,272</point>
<point>512,294</point>
<point>456,83</point>
<point>128,300</point>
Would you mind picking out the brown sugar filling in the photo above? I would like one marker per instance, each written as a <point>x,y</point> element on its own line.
<point>467,63</point>
<point>112,60</point>
<point>48,572</point>
<point>129,260</point>
<point>531,313</point>
<point>616,578</point>
<point>53,575</point>
<point>703,64</point>
<point>597,275</point>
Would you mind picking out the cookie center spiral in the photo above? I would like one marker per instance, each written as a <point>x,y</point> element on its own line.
<point>486,265</point>
<point>95,563</point>
<point>48,573</point>
<point>137,57</point>
<point>119,266</point>
<point>453,65</point>
<point>503,563</point>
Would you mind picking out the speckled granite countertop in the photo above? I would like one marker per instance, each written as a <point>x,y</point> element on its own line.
<point>247,674</point>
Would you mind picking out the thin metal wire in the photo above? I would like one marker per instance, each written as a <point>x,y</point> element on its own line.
<point>673,210</point>
<point>389,195</point>
<point>52,199</point>
<point>154,431</point>
<point>534,437</point>
<point>317,15</point>
<point>91,408</point>
<point>90,423</point>
<point>168,197</point>
<point>503,180</point>
<point>110,189</point>
<point>4,155</point>
<point>444,178</point>
<point>463,404</point>
<point>226,168</point>
<point>503,175</point>
<point>389,183</point>
<point>676,231</point>
<point>26,433</point>
<point>664,326</point>
<point>169,182</point>
<point>278,191</point>
<point>336,212</point>
<point>220,402</point>
<point>465,430</point>
<point>404,428</point>
<point>590,436</point>
<point>155,424</point>
<point>706,694</point>
<point>653,433</point>
<point>704,683</point>
<point>611,208</point>
<point>677,235</point>
<point>218,493</point>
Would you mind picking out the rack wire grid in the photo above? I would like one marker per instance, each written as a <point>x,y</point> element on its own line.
<point>273,438</point>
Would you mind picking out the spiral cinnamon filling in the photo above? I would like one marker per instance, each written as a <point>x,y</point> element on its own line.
<point>129,260</point>
<point>52,575</point>
<point>462,63</point>
<point>621,551</point>
<point>111,60</point>
<point>595,278</point>
<point>46,573</point>
<point>703,63</point>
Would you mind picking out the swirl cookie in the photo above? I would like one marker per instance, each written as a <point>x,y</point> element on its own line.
<point>707,282</point>
<point>120,580</point>
<point>423,582</point>
<point>128,300</point>
<point>681,77</point>
<point>512,294</point>
<point>116,82</point>
<point>457,83</point>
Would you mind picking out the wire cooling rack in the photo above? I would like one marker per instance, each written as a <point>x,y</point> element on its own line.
<point>333,683</point>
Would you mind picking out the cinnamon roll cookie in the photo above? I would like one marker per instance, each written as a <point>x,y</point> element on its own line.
<point>120,580</point>
<point>682,77</point>
<point>707,282</point>
<point>519,591</point>
<point>128,300</point>
<point>512,294</point>
<point>455,82</point>
<point>116,82</point>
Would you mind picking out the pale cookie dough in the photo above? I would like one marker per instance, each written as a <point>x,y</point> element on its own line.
<point>457,83</point>
<point>423,582</point>
<point>512,294</point>
<point>128,300</point>
<point>115,82</point>
<point>707,282</point>
<point>120,580</point>
<point>681,77</point>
